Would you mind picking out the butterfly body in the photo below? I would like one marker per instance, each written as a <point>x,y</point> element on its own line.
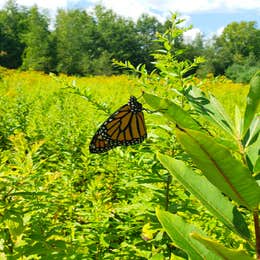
<point>124,127</point>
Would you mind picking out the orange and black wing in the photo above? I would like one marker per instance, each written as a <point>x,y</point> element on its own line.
<point>125,127</point>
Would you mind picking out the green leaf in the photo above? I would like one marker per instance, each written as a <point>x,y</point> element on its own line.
<point>28,193</point>
<point>224,171</point>
<point>238,122</point>
<point>171,111</point>
<point>223,252</point>
<point>14,224</point>
<point>253,132</point>
<point>257,166</point>
<point>157,257</point>
<point>179,232</point>
<point>207,194</point>
<point>210,108</point>
<point>252,152</point>
<point>253,101</point>
<point>167,46</point>
<point>220,115</point>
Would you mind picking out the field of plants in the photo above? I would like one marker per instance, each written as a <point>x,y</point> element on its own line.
<point>58,201</point>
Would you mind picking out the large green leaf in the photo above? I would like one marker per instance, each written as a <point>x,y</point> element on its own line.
<point>171,111</point>
<point>253,152</point>
<point>179,231</point>
<point>252,133</point>
<point>208,194</point>
<point>253,101</point>
<point>224,171</point>
<point>209,108</point>
<point>223,252</point>
<point>257,166</point>
<point>238,122</point>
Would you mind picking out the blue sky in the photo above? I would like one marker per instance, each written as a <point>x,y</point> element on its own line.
<point>207,16</point>
<point>210,22</point>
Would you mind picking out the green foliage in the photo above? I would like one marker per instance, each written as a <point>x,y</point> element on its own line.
<point>208,194</point>
<point>27,42</point>
<point>102,65</point>
<point>253,103</point>
<point>37,40</point>
<point>147,27</point>
<point>243,71</point>
<point>220,250</point>
<point>213,145</point>
<point>74,49</point>
<point>116,34</point>
<point>235,52</point>
<point>238,40</point>
<point>12,26</point>
<point>59,201</point>
<point>220,168</point>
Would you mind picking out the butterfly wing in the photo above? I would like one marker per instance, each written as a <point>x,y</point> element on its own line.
<point>125,127</point>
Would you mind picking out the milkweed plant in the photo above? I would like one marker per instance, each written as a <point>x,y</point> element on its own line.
<point>221,164</point>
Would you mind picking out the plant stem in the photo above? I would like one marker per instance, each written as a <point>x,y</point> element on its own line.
<point>168,183</point>
<point>257,233</point>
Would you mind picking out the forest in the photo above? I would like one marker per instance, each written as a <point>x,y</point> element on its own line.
<point>31,41</point>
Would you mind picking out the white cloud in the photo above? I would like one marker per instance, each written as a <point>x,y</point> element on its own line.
<point>187,20</point>
<point>160,8</point>
<point>130,8</point>
<point>133,8</point>
<point>240,4</point>
<point>46,4</point>
<point>2,3</point>
<point>210,36</point>
<point>220,30</point>
<point>191,34</point>
<point>191,6</point>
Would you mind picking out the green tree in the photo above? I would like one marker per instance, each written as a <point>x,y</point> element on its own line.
<point>147,27</point>
<point>244,70</point>
<point>37,41</point>
<point>12,25</point>
<point>194,48</point>
<point>238,41</point>
<point>75,42</point>
<point>209,66</point>
<point>117,35</point>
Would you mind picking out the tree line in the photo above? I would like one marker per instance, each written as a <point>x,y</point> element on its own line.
<point>84,43</point>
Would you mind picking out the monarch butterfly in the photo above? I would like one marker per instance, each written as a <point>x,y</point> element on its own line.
<point>126,126</point>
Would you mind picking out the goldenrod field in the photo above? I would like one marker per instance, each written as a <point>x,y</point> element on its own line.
<point>58,201</point>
